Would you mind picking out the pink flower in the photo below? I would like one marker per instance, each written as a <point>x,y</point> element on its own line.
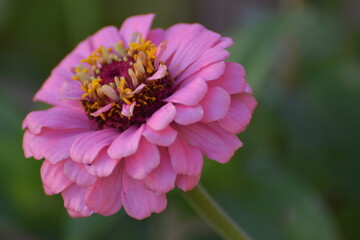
<point>134,111</point>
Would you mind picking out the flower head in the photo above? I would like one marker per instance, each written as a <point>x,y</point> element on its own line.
<point>134,111</point>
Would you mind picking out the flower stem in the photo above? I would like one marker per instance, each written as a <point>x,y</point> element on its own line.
<point>212,213</point>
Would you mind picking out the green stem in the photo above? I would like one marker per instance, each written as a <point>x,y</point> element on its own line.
<point>212,213</point>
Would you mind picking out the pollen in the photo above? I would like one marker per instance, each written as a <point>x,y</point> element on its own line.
<point>123,86</point>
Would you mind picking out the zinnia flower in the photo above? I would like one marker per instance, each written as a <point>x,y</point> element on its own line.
<point>134,111</point>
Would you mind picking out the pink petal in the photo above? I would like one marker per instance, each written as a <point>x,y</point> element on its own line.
<point>189,94</point>
<point>57,118</point>
<point>140,23</point>
<point>187,183</point>
<point>187,115</point>
<point>107,36</point>
<point>173,41</point>
<point>208,73</point>
<point>26,144</point>
<point>247,99</point>
<point>163,137</point>
<point>74,200</point>
<point>162,117</point>
<point>127,143</point>
<point>233,79</point>
<point>162,178</point>
<point>185,159</point>
<point>74,214</point>
<point>53,177</point>
<point>77,173</point>
<point>160,50</point>
<point>102,110</point>
<point>156,35</point>
<point>238,116</point>
<point>86,147</point>
<point>49,91</point>
<point>214,142</point>
<point>103,165</point>
<point>52,144</point>
<point>160,73</point>
<point>216,104</point>
<point>193,43</point>
<point>105,196</point>
<point>138,201</point>
<point>210,56</point>
<point>225,42</point>
<point>128,110</point>
<point>248,89</point>
<point>47,190</point>
<point>141,163</point>
<point>71,89</point>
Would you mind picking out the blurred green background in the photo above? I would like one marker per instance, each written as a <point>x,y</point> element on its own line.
<point>297,176</point>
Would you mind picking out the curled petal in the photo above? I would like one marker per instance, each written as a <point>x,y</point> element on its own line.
<point>160,73</point>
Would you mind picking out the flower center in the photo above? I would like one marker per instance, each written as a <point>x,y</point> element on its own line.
<point>124,87</point>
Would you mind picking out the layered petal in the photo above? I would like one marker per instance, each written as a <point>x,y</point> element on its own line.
<point>126,144</point>
<point>215,104</point>
<point>186,182</point>
<point>52,175</point>
<point>233,79</point>
<point>55,117</point>
<point>162,117</point>
<point>189,94</point>
<point>140,24</point>
<point>103,165</point>
<point>185,159</point>
<point>52,144</point>
<point>187,114</point>
<point>239,114</point>
<point>141,163</point>
<point>86,147</point>
<point>214,142</point>
<point>192,43</point>
<point>163,137</point>
<point>162,178</point>
<point>105,196</point>
<point>74,200</point>
<point>138,201</point>
<point>77,173</point>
